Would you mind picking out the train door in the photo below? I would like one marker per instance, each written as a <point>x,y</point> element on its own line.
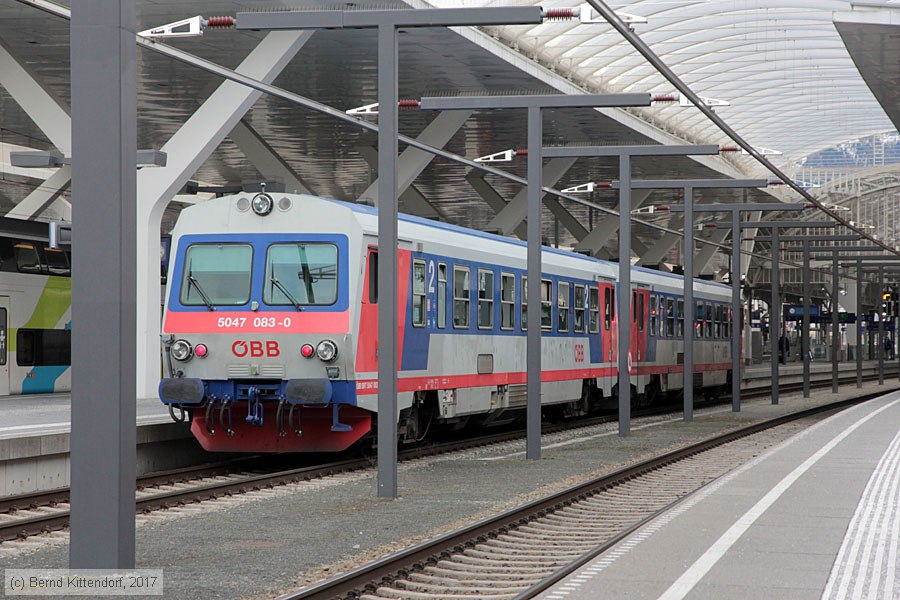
<point>4,345</point>
<point>640,299</point>
<point>608,326</point>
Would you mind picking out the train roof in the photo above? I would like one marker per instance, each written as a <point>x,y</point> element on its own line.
<point>650,273</point>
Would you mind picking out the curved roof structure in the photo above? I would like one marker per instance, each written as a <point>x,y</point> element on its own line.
<point>780,64</point>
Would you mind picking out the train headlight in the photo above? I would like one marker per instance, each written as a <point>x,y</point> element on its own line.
<point>181,350</point>
<point>326,350</point>
<point>262,204</point>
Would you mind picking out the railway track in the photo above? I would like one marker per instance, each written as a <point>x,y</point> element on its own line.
<point>33,514</point>
<point>522,552</point>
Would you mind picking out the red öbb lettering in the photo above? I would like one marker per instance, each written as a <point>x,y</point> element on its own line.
<point>255,348</point>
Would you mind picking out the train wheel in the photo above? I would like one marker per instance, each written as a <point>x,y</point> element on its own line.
<point>416,420</point>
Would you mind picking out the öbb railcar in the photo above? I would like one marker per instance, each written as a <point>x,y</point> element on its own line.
<point>270,326</point>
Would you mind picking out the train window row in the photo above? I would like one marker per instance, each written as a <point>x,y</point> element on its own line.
<point>26,256</point>
<point>711,320</point>
<point>577,304</point>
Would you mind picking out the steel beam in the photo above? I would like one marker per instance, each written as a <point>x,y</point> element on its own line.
<point>265,159</point>
<point>413,160</point>
<point>601,232</point>
<point>642,150</point>
<point>433,17</point>
<point>515,212</point>
<point>533,339</point>
<point>35,203</point>
<point>104,149</point>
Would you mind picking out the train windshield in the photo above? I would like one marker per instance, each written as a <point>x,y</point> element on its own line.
<point>301,274</point>
<point>217,274</point>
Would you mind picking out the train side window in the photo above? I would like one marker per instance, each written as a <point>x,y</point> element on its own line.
<point>524,323</point>
<point>485,299</point>
<point>698,320</point>
<point>3,334</point>
<point>679,313</point>
<point>507,301</point>
<point>546,304</point>
<point>57,261</point>
<point>607,306</point>
<point>580,308</point>
<point>461,297</point>
<point>670,317</point>
<point>27,258</point>
<point>373,277</point>
<point>727,324</point>
<point>442,296</point>
<point>593,309</point>
<point>709,320</point>
<point>43,347</point>
<point>654,321</point>
<point>662,317</point>
<point>641,312</point>
<point>418,293</point>
<point>562,306</point>
<point>718,321</point>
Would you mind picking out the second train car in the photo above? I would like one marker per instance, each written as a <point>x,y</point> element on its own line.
<point>270,326</point>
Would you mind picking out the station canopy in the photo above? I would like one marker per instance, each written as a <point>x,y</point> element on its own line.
<point>777,72</point>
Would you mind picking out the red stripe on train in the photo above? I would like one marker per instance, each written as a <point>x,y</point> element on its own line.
<point>257,322</point>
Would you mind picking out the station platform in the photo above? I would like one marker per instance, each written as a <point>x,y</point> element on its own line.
<point>817,516</point>
<point>258,545</point>
<point>34,442</point>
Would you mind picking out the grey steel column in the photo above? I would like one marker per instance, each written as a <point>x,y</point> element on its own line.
<point>835,323</point>
<point>881,318</point>
<point>804,329</point>
<point>688,282</point>
<point>387,261</point>
<point>736,321</point>
<point>774,316</point>
<point>104,202</point>
<point>859,316</point>
<point>623,300</point>
<point>533,341</point>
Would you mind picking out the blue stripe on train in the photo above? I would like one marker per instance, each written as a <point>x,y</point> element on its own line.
<point>42,380</point>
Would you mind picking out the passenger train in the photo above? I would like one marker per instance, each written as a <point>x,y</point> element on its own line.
<point>270,327</point>
<point>35,311</point>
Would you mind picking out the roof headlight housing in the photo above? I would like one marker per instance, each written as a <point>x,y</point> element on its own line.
<point>262,204</point>
<point>326,350</point>
<point>181,350</point>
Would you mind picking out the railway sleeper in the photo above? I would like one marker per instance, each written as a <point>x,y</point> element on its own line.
<point>486,576</point>
<point>523,551</point>
<point>548,528</point>
<point>474,567</point>
<point>463,587</point>
<point>510,545</point>
<point>383,593</point>
<point>510,558</point>
<point>513,537</point>
<point>464,559</point>
<point>555,538</point>
<point>444,580</point>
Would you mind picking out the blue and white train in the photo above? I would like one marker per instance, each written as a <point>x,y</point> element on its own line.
<point>270,326</point>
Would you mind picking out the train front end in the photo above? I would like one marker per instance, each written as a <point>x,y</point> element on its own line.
<point>257,341</point>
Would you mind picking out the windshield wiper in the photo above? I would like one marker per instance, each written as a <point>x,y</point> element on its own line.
<point>193,281</point>
<point>284,291</point>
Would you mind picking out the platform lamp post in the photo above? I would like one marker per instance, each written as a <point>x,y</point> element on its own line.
<point>623,301</point>
<point>806,241</point>
<point>534,104</point>
<point>775,302</point>
<point>387,22</point>
<point>689,208</point>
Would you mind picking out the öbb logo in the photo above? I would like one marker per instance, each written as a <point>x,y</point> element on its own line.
<point>255,349</point>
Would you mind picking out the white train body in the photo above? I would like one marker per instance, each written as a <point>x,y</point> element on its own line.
<point>460,326</point>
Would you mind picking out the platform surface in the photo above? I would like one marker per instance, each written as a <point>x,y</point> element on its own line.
<point>816,517</point>
<point>40,414</point>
